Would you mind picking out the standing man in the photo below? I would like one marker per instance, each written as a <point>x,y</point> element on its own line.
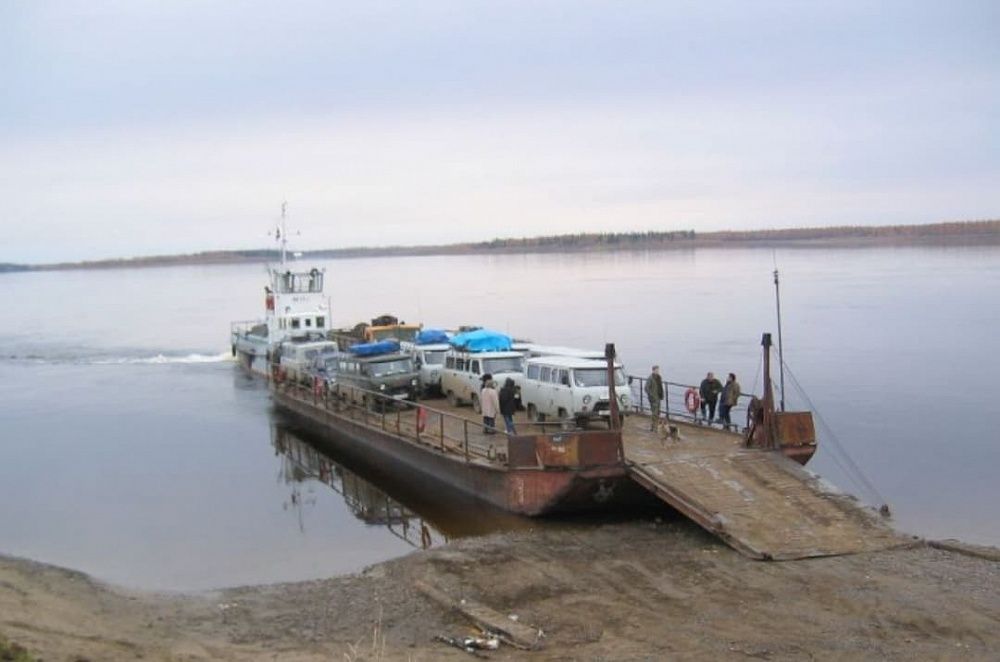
<point>489,402</point>
<point>709,391</point>
<point>655,392</point>
<point>730,396</point>
<point>508,404</point>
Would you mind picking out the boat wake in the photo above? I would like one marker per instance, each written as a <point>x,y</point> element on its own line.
<point>160,358</point>
<point>166,358</point>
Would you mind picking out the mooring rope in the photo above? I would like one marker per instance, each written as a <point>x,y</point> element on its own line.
<point>849,466</point>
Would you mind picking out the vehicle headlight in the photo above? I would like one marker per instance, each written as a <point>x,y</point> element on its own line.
<point>624,400</point>
<point>381,387</point>
<point>413,382</point>
<point>586,399</point>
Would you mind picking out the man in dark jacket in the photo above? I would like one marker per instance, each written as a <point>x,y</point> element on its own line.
<point>654,390</point>
<point>709,391</point>
<point>508,404</point>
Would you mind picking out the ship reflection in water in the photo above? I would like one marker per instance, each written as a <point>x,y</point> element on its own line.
<point>423,518</point>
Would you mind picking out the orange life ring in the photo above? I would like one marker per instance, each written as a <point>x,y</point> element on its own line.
<point>421,419</point>
<point>692,400</point>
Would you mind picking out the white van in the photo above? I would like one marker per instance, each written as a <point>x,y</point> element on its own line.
<point>571,389</point>
<point>299,358</point>
<point>461,378</point>
<point>429,360</point>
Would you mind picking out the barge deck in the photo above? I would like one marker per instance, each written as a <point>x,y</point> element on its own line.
<point>759,502</point>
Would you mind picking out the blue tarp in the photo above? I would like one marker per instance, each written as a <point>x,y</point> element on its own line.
<point>374,348</point>
<point>482,340</point>
<point>431,336</point>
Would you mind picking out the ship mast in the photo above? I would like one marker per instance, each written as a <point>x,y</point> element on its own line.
<point>781,356</point>
<point>282,233</point>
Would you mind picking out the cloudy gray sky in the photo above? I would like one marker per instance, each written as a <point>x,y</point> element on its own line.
<point>133,128</point>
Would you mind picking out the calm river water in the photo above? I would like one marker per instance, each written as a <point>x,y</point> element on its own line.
<point>132,449</point>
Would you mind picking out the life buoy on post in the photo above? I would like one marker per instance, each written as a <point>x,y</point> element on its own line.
<point>692,400</point>
<point>421,419</point>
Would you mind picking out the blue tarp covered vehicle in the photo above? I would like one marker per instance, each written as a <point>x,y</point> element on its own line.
<point>482,340</point>
<point>432,337</point>
<point>374,348</point>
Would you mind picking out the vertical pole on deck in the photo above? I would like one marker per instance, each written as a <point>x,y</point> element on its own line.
<point>465,425</point>
<point>767,402</point>
<point>441,427</point>
<point>781,357</point>
<point>615,424</point>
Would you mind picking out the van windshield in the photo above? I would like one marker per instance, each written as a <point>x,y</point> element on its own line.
<point>507,364</point>
<point>386,368</point>
<point>597,377</point>
<point>434,358</point>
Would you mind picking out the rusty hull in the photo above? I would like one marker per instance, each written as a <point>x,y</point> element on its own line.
<point>543,474</point>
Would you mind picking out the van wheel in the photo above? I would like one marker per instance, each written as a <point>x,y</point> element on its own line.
<point>452,400</point>
<point>475,404</point>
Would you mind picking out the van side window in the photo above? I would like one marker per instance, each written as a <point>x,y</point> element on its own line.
<point>563,377</point>
<point>449,362</point>
<point>533,371</point>
<point>475,367</point>
<point>459,364</point>
<point>546,373</point>
<point>295,322</point>
<point>309,321</point>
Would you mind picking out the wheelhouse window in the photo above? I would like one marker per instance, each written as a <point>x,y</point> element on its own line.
<point>320,322</point>
<point>295,322</point>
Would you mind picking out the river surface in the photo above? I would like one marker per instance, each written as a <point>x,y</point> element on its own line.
<point>132,448</point>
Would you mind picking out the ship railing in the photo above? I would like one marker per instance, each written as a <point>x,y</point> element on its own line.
<point>460,436</point>
<point>443,430</point>
<point>673,406</point>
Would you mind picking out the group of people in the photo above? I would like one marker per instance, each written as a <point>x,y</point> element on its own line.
<point>493,402</point>
<point>711,391</point>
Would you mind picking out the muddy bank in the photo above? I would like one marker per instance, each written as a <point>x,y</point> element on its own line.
<point>637,591</point>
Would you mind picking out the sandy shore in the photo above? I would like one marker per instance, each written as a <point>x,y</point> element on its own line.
<point>635,591</point>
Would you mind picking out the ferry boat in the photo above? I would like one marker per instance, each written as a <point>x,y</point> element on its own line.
<point>295,310</point>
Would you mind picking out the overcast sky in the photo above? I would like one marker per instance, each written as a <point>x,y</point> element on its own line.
<point>135,128</point>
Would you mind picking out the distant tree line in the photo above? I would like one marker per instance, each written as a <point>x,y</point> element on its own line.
<point>955,232</point>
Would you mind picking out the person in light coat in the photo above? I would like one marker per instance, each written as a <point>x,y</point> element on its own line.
<point>489,400</point>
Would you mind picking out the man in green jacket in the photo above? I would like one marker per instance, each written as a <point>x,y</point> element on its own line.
<point>655,392</point>
<point>730,396</point>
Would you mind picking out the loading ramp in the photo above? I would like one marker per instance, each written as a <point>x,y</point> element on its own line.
<point>759,502</point>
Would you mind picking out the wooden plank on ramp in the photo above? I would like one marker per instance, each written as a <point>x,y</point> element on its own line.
<point>759,502</point>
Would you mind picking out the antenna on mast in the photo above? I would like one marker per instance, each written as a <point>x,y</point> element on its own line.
<point>781,358</point>
<point>282,232</point>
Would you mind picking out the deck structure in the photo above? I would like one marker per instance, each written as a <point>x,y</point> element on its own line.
<point>758,501</point>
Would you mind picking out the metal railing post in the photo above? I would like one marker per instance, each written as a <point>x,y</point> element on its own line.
<point>441,427</point>
<point>465,425</point>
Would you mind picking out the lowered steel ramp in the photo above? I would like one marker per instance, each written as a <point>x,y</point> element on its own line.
<point>759,502</point>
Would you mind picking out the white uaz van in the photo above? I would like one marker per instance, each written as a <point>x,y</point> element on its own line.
<point>429,360</point>
<point>298,359</point>
<point>571,389</point>
<point>461,378</point>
